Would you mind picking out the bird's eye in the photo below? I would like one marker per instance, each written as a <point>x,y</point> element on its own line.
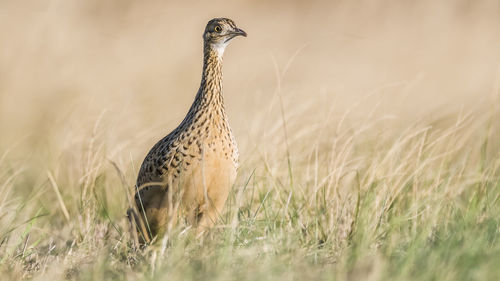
<point>218,29</point>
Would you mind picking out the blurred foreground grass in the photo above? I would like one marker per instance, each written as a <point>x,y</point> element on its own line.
<point>418,204</point>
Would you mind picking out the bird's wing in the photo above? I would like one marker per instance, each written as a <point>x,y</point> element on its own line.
<point>155,165</point>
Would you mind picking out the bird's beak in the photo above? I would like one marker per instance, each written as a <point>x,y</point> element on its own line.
<point>238,32</point>
<point>235,32</point>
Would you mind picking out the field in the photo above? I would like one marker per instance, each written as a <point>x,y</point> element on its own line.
<point>368,134</point>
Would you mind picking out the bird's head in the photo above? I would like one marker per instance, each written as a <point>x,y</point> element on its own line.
<point>219,32</point>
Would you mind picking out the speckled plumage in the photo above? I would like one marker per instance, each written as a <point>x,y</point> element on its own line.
<point>189,172</point>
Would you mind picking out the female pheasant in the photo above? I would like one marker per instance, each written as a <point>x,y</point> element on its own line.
<point>188,173</point>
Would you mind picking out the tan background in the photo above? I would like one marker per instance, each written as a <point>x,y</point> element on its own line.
<point>135,66</point>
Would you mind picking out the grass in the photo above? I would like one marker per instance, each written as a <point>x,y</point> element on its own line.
<point>420,204</point>
<point>369,150</point>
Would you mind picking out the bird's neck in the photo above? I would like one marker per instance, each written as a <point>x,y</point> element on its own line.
<point>210,93</point>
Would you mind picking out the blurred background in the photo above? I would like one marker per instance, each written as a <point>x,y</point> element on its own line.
<point>115,76</point>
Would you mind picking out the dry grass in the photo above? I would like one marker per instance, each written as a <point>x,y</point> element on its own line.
<point>368,137</point>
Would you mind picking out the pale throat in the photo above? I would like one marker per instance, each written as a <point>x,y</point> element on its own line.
<point>219,48</point>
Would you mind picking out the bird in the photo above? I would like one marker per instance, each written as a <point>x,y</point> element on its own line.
<point>188,174</point>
